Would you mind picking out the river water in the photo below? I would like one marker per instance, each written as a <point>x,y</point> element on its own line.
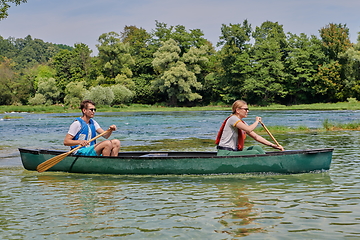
<point>54,205</point>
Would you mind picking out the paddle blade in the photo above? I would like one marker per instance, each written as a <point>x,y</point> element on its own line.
<point>51,162</point>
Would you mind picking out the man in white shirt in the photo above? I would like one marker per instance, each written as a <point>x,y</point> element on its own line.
<point>85,128</point>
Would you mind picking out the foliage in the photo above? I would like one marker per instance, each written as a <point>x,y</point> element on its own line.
<point>178,83</point>
<point>332,126</point>
<point>235,61</point>
<point>141,49</point>
<point>266,82</point>
<point>73,66</point>
<point>125,81</point>
<point>144,92</point>
<point>74,94</point>
<point>328,81</point>
<point>28,52</point>
<point>304,55</point>
<point>178,66</point>
<point>59,108</point>
<point>100,95</point>
<point>47,91</point>
<point>42,71</point>
<point>39,99</point>
<point>335,39</point>
<point>185,39</point>
<point>121,94</point>
<point>177,74</point>
<point>5,5</point>
<point>350,60</point>
<point>114,57</point>
<point>7,76</point>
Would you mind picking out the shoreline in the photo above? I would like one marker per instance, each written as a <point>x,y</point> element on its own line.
<point>4,109</point>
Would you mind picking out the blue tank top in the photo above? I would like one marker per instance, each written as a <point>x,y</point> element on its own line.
<point>85,130</point>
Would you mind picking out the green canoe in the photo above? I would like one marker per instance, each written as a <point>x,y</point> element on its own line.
<point>298,161</point>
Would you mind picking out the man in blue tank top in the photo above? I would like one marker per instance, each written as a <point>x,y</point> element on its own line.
<point>85,128</point>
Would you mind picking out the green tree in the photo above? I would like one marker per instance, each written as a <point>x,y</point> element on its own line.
<point>121,94</point>
<point>185,39</point>
<point>141,49</point>
<point>144,91</point>
<point>30,52</point>
<point>74,66</point>
<point>328,81</point>
<point>42,71</point>
<point>177,79</point>
<point>234,57</point>
<point>335,39</point>
<point>114,56</point>
<point>125,81</point>
<point>100,95</point>
<point>351,68</point>
<point>304,55</point>
<point>74,93</point>
<point>265,83</point>
<point>5,5</point>
<point>38,99</point>
<point>332,73</point>
<point>15,87</point>
<point>48,90</point>
<point>7,77</point>
<point>7,49</point>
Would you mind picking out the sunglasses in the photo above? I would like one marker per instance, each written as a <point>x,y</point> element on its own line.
<point>92,109</point>
<point>246,109</point>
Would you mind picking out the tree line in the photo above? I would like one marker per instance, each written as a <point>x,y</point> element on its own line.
<point>175,66</point>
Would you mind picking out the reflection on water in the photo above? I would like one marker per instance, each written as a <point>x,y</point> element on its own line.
<point>238,221</point>
<point>88,206</point>
<point>76,206</point>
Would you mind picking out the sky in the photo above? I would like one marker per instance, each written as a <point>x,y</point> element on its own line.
<point>83,21</point>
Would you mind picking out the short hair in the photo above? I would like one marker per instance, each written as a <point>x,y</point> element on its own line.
<point>84,104</point>
<point>237,104</point>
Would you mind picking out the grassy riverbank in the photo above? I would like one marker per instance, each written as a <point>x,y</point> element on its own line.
<point>351,105</point>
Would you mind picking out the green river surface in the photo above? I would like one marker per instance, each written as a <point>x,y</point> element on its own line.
<point>57,205</point>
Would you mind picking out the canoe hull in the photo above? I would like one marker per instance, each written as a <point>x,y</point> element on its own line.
<point>300,161</point>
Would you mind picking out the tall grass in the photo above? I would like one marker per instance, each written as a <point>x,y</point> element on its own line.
<point>283,129</point>
<point>333,126</point>
<point>35,109</point>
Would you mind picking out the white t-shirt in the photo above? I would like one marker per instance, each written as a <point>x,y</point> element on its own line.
<point>76,126</point>
<point>229,137</point>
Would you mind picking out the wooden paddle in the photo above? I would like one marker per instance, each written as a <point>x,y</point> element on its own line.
<point>262,124</point>
<point>53,161</point>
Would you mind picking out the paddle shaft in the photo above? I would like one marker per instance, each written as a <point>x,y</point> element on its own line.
<point>53,161</point>
<point>94,138</point>
<point>267,130</point>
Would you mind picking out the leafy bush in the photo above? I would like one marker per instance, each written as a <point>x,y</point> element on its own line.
<point>351,100</point>
<point>100,95</point>
<point>75,92</point>
<point>121,94</point>
<point>39,99</point>
<point>47,87</point>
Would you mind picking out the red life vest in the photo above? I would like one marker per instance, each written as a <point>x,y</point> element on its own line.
<point>241,135</point>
